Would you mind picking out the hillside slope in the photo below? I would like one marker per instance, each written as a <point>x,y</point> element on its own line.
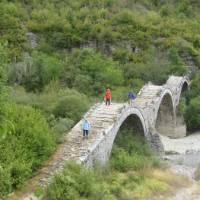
<point>58,56</point>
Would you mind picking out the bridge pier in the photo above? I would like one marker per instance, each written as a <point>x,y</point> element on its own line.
<point>180,129</point>
<point>155,141</point>
<point>169,122</point>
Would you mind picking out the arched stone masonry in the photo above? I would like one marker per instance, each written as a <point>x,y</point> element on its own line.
<point>154,107</point>
<point>165,121</point>
<point>101,151</point>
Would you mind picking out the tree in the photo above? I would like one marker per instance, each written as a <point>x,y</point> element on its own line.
<point>97,71</point>
<point>36,71</point>
<point>195,87</point>
<point>193,114</point>
<point>11,28</point>
<point>3,62</point>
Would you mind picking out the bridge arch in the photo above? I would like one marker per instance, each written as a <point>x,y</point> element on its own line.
<point>181,128</point>
<point>133,122</point>
<point>165,115</point>
<point>168,121</point>
<point>178,86</point>
<point>184,86</point>
<point>132,116</point>
<point>102,150</point>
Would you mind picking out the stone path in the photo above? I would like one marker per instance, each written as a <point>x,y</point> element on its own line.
<point>74,147</point>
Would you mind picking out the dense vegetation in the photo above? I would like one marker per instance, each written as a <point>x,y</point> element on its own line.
<point>192,111</point>
<point>58,56</point>
<point>27,143</point>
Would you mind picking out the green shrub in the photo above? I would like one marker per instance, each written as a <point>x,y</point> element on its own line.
<point>19,95</point>
<point>120,94</point>
<point>45,69</point>
<point>195,87</point>
<point>182,106</point>
<point>11,17</point>
<point>131,152</point>
<point>121,160</point>
<point>36,71</point>
<point>61,126</point>
<point>90,71</point>
<point>192,114</point>
<point>72,106</point>
<point>122,55</point>
<point>166,10</point>
<point>75,182</point>
<point>5,182</point>
<point>177,66</point>
<point>153,63</point>
<point>131,142</point>
<point>33,131</point>
<point>27,143</point>
<point>3,77</point>
<point>83,83</point>
<point>62,107</point>
<point>53,95</point>
<point>20,171</point>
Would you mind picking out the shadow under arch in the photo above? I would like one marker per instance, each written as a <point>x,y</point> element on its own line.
<point>133,122</point>
<point>185,87</point>
<point>165,121</point>
<point>181,128</point>
<point>130,135</point>
<point>130,118</point>
<point>182,95</point>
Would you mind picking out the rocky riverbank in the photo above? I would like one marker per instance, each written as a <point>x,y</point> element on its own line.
<point>183,156</point>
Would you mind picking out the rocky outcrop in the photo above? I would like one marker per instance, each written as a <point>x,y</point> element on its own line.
<point>32,39</point>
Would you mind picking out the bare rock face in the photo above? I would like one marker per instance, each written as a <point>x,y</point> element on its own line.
<point>32,38</point>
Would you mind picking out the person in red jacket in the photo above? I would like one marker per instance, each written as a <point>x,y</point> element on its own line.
<point>107,97</point>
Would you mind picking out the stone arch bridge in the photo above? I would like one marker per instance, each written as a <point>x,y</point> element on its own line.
<point>154,113</point>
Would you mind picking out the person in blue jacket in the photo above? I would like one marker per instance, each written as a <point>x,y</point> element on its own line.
<point>86,127</point>
<point>131,97</point>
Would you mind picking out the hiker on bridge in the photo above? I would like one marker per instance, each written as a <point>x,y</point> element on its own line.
<point>107,97</point>
<point>86,127</point>
<point>131,97</point>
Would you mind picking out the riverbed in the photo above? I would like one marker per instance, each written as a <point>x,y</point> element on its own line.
<point>183,156</point>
